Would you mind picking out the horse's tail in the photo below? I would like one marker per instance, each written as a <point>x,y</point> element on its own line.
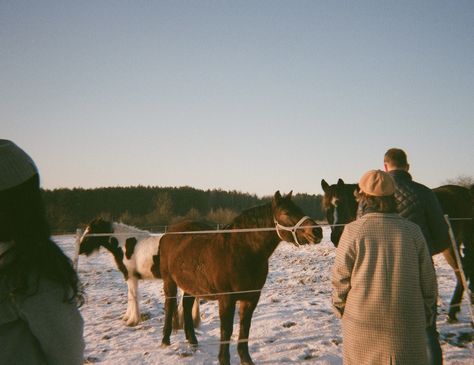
<point>155,267</point>
<point>178,317</point>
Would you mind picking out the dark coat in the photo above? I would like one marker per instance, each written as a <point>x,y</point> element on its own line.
<point>419,204</point>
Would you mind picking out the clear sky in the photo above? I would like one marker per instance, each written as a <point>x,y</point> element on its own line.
<point>254,96</point>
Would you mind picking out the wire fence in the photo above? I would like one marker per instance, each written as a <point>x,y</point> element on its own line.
<point>80,235</point>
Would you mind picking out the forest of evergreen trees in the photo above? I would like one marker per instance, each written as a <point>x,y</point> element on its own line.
<point>153,208</point>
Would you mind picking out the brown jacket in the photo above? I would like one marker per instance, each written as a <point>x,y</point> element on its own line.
<point>384,288</point>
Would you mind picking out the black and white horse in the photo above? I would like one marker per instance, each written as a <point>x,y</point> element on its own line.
<point>136,255</point>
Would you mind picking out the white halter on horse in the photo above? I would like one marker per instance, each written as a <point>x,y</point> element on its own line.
<point>290,229</point>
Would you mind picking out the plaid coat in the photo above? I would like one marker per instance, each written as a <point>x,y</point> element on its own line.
<point>384,288</point>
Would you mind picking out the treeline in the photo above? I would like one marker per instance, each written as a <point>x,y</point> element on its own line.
<point>153,208</point>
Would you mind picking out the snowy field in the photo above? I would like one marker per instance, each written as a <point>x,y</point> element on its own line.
<point>293,322</point>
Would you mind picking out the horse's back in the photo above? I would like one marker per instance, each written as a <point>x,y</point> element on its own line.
<point>455,200</point>
<point>181,242</point>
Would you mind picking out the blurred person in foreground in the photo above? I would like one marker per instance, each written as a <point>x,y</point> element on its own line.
<point>419,204</point>
<point>384,282</point>
<point>40,321</point>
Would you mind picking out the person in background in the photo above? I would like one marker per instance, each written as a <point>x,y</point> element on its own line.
<point>40,321</point>
<point>419,204</point>
<point>384,282</point>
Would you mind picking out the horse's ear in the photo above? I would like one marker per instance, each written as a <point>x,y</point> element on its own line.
<point>96,220</point>
<point>356,190</point>
<point>288,196</point>
<point>277,196</point>
<point>276,199</point>
<point>340,182</point>
<point>324,185</point>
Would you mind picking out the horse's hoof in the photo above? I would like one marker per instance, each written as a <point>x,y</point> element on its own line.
<point>193,343</point>
<point>165,343</point>
<point>452,316</point>
<point>131,323</point>
<point>246,361</point>
<point>193,347</point>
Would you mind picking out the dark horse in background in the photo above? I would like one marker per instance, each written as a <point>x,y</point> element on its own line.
<point>229,266</point>
<point>341,206</point>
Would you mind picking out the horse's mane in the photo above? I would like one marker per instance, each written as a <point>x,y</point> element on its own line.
<point>258,216</point>
<point>120,227</point>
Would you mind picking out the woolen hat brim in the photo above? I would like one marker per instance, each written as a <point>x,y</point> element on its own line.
<point>16,166</point>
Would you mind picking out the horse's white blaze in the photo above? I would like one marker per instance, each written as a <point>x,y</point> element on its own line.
<point>86,232</point>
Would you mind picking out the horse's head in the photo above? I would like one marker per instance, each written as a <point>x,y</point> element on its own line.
<point>292,225</point>
<point>89,244</point>
<point>340,205</point>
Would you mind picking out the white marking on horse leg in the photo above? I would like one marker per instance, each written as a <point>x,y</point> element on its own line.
<point>196,313</point>
<point>178,317</point>
<point>132,316</point>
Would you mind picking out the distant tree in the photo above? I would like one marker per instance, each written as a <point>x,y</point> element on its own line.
<point>163,210</point>
<point>462,180</point>
<point>153,208</point>
<point>221,216</point>
<point>193,214</point>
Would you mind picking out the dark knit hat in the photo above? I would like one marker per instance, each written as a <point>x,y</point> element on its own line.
<point>15,165</point>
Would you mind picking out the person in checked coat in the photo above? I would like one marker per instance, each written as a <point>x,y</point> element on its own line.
<point>384,282</point>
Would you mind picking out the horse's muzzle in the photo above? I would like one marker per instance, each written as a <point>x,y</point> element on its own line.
<point>313,234</point>
<point>318,234</point>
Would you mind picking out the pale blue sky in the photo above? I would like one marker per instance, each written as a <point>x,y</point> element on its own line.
<point>247,95</point>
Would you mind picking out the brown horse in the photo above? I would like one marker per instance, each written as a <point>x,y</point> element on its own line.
<point>458,203</point>
<point>229,267</point>
<point>340,205</point>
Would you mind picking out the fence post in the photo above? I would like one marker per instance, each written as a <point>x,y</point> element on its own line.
<point>76,248</point>
<point>460,268</point>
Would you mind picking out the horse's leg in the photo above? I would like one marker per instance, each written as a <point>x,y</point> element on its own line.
<point>188,302</point>
<point>468,259</point>
<point>246,311</point>
<point>170,290</point>
<point>132,315</point>
<point>178,316</point>
<point>455,304</point>
<point>226,314</point>
<point>196,313</point>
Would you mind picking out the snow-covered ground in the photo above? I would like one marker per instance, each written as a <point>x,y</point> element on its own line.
<point>293,322</point>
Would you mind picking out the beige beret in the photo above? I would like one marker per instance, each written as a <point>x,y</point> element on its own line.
<point>377,183</point>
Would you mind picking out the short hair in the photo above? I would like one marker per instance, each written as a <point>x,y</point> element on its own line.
<point>396,157</point>
<point>376,204</point>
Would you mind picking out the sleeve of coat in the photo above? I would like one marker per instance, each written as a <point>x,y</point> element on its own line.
<point>436,223</point>
<point>57,325</point>
<point>428,283</point>
<point>342,271</point>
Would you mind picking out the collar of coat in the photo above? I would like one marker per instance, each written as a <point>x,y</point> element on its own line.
<point>401,175</point>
